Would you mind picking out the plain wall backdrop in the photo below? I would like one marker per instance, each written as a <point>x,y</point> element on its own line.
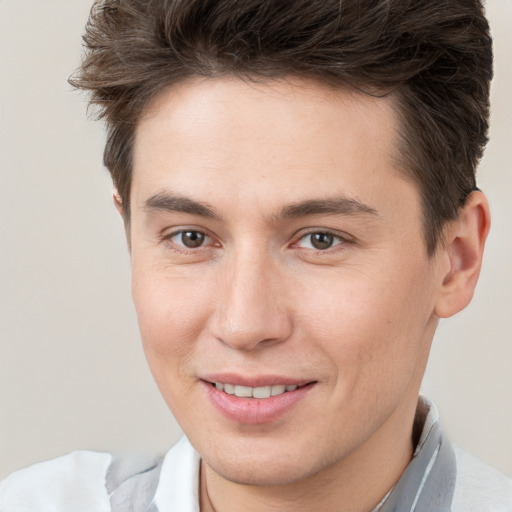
<point>72,372</point>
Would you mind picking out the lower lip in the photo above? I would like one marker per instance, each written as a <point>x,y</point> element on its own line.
<point>255,411</point>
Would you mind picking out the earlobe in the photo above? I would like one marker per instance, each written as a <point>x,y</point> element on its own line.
<point>463,249</point>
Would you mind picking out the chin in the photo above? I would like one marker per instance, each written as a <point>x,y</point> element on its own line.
<point>261,472</point>
<point>268,464</point>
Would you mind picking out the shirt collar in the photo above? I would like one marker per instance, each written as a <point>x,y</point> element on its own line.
<point>426,484</point>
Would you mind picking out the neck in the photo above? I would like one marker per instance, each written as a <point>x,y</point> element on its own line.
<point>357,483</point>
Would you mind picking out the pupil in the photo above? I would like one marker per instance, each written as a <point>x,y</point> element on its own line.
<point>192,239</point>
<point>321,240</point>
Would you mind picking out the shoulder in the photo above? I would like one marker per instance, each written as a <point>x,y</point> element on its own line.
<point>56,484</point>
<point>479,486</point>
<point>82,481</point>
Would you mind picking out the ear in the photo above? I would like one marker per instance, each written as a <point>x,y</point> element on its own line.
<point>118,202</point>
<point>463,249</point>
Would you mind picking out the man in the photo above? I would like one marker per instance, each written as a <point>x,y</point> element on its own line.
<point>297,185</point>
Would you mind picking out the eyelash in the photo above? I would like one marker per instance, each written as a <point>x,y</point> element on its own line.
<point>179,247</point>
<point>341,241</point>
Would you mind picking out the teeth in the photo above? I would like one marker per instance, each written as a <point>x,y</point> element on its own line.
<point>278,390</point>
<point>263,392</point>
<point>243,391</point>
<point>259,392</point>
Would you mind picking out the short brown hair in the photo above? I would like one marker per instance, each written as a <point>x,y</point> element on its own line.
<point>434,57</point>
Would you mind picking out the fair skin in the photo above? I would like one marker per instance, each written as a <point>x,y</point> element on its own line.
<point>273,243</point>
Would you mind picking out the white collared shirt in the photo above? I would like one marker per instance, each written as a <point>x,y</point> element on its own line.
<point>82,481</point>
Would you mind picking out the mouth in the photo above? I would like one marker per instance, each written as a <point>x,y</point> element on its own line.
<point>259,392</point>
<point>266,401</point>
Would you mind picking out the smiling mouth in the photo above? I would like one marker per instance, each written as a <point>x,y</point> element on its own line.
<point>257,392</point>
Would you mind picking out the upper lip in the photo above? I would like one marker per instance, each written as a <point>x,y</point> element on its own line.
<point>255,381</point>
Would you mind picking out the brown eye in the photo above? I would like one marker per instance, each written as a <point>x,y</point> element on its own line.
<point>190,239</point>
<point>320,241</point>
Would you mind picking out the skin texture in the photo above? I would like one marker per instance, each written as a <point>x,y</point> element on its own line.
<point>256,300</point>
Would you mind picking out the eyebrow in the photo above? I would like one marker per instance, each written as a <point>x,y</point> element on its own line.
<point>329,206</point>
<point>172,203</point>
<point>337,206</point>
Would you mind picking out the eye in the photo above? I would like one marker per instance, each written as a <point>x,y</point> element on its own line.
<point>190,238</point>
<point>319,241</point>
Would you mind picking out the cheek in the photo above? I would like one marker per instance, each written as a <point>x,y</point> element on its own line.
<point>171,312</point>
<point>368,319</point>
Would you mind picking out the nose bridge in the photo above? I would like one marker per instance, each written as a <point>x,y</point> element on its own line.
<point>251,306</point>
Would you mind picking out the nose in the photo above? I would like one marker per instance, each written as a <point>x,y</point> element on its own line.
<point>251,309</point>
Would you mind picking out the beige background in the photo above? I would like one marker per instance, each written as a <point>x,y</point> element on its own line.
<point>72,373</point>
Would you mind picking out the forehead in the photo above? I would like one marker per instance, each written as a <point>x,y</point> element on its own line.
<point>241,109</point>
<point>264,141</point>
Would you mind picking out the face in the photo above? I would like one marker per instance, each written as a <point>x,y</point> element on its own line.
<point>280,276</point>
